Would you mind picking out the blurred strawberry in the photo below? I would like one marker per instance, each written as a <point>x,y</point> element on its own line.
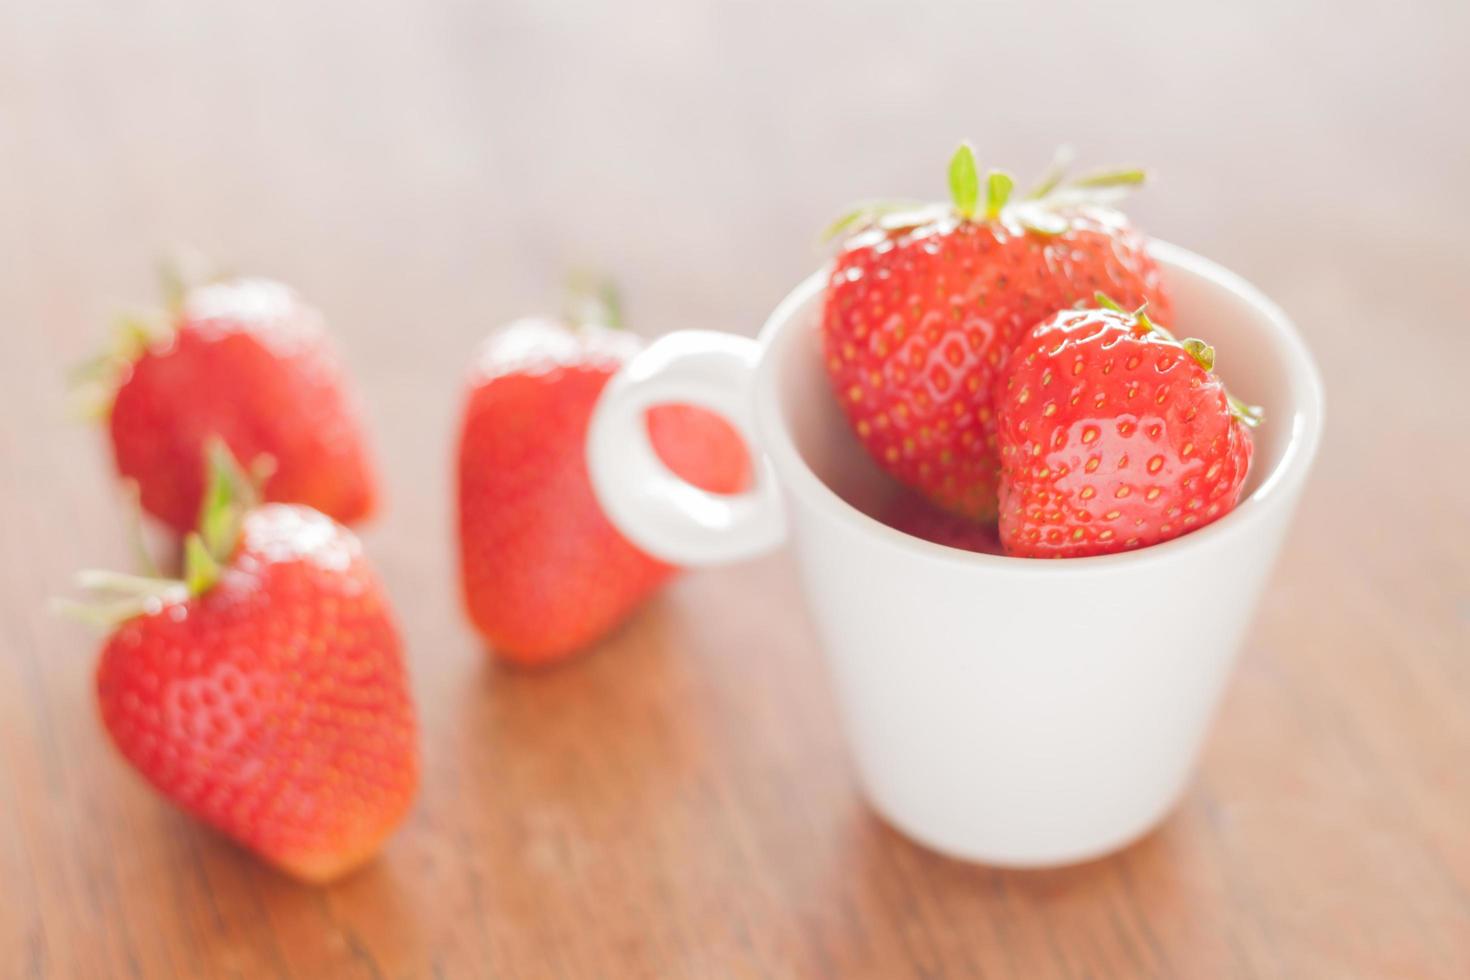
<point>1115,436</point>
<point>925,303</point>
<point>544,572</point>
<point>244,360</point>
<point>264,693</point>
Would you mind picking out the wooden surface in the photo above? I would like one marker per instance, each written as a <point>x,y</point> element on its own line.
<point>679,803</point>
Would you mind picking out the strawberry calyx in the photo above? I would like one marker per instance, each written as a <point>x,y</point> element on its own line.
<point>1249,415</point>
<point>1201,352</point>
<point>183,270</point>
<point>1054,174</point>
<point>93,384</point>
<point>230,494</point>
<point>964,182</point>
<point>998,187</point>
<point>1041,211</point>
<point>592,300</point>
<point>1142,325</point>
<point>119,597</point>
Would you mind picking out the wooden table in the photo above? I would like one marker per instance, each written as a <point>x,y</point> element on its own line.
<point>680,803</point>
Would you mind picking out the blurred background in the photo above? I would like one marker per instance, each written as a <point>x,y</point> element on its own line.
<point>424,171</point>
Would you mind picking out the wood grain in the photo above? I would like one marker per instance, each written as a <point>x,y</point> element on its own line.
<point>680,803</point>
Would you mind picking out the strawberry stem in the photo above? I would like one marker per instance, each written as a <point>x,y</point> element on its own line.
<point>964,181</point>
<point>593,299</point>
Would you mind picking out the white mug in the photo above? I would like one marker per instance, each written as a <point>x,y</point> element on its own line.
<point>1011,711</point>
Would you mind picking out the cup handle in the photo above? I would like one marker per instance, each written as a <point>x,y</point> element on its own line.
<point>655,509</point>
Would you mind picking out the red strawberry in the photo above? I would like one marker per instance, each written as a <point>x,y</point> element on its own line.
<point>912,514</point>
<point>247,361</point>
<point>1114,436</point>
<point>265,694</point>
<point>924,307</point>
<point>544,572</point>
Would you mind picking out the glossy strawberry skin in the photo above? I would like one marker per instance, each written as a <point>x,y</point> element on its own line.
<point>919,324</point>
<point>544,573</point>
<point>1112,438</point>
<point>275,706</point>
<point>250,363</point>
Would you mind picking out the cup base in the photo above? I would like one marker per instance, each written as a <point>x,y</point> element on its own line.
<point>1030,859</point>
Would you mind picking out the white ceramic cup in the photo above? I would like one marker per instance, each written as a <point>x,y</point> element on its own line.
<point>1011,711</point>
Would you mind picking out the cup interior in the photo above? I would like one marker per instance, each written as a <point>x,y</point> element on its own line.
<point>1258,354</point>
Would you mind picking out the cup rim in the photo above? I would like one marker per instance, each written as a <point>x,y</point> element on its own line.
<point>1277,489</point>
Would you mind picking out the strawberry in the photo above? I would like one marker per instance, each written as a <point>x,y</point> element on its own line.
<point>912,514</point>
<point>265,692</point>
<point>1115,436</point>
<point>924,306</point>
<point>247,361</point>
<point>544,572</point>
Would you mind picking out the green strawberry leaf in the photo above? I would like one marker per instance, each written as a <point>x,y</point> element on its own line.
<point>1055,171</point>
<point>1203,353</point>
<point>964,181</point>
<point>1039,219</point>
<point>229,494</point>
<point>871,213</point>
<point>1250,415</point>
<point>92,385</point>
<point>118,598</point>
<point>201,571</point>
<point>1140,316</point>
<point>1112,178</point>
<point>998,187</point>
